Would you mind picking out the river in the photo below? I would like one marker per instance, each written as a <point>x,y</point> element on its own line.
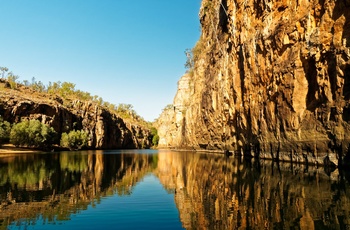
<point>150,189</point>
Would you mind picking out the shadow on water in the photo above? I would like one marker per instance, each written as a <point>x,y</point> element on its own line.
<point>211,191</point>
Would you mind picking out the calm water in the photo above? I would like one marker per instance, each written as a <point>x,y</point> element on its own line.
<point>146,189</point>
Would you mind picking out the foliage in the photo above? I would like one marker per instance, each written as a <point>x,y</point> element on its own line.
<point>12,79</point>
<point>193,55</point>
<point>75,140</point>
<point>5,129</point>
<point>68,93</point>
<point>155,138</point>
<point>32,133</point>
<point>126,111</point>
<point>169,106</point>
<point>189,61</point>
<point>124,108</point>
<point>36,85</point>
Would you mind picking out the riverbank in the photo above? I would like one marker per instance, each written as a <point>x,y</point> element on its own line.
<point>10,149</point>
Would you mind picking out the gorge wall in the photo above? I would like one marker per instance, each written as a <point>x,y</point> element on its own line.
<point>270,78</point>
<point>106,130</point>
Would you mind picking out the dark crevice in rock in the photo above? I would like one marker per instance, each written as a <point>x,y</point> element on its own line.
<point>311,76</point>
<point>346,88</point>
<point>223,16</point>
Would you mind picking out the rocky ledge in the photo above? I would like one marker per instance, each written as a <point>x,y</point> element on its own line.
<point>106,129</point>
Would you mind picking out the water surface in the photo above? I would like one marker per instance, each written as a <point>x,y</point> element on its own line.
<point>148,189</point>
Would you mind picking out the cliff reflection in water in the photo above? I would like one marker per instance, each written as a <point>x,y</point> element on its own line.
<point>54,186</point>
<point>210,190</point>
<point>214,192</point>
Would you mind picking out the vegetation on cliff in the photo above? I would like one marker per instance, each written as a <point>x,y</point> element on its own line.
<point>64,109</point>
<point>66,91</point>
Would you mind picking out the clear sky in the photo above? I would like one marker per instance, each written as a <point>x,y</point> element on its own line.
<point>121,50</point>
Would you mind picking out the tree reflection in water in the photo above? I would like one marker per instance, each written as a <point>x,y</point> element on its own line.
<point>210,190</point>
<point>53,186</point>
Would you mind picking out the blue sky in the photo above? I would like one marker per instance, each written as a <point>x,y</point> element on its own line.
<point>121,50</point>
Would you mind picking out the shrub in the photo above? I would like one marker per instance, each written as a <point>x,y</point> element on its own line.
<point>32,133</point>
<point>5,129</point>
<point>18,134</point>
<point>155,138</point>
<point>12,79</point>
<point>193,55</point>
<point>75,140</point>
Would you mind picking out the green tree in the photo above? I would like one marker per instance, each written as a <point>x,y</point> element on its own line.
<point>38,86</point>
<point>5,129</point>
<point>124,108</point>
<point>67,89</point>
<point>32,133</point>
<point>169,106</point>
<point>12,79</point>
<point>54,87</point>
<point>74,140</point>
<point>155,138</point>
<point>18,134</point>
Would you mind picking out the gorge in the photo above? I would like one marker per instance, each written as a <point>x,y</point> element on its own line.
<point>269,79</point>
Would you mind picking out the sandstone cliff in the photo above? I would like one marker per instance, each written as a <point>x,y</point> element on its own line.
<point>271,78</point>
<point>106,129</point>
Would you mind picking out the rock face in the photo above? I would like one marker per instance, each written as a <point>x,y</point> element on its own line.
<point>270,79</point>
<point>106,130</point>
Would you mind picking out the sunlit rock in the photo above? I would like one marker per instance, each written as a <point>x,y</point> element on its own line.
<point>270,79</point>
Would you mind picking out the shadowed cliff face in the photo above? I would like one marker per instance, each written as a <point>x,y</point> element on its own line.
<point>106,130</point>
<point>270,78</point>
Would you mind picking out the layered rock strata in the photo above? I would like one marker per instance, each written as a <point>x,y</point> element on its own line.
<point>270,79</point>
<point>106,129</point>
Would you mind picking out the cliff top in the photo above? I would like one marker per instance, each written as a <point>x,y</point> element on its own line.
<point>63,94</point>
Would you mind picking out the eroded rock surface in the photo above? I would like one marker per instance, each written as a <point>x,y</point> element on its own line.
<point>270,79</point>
<point>106,129</point>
